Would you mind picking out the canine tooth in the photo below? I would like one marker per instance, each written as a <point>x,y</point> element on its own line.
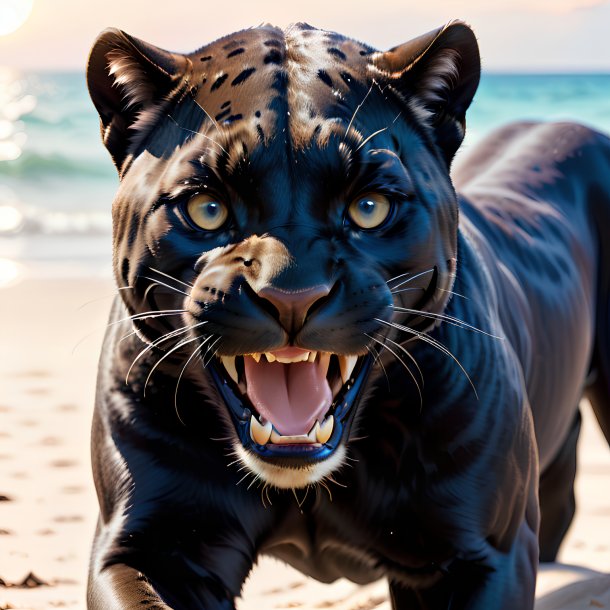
<point>260,433</point>
<point>256,357</point>
<point>270,357</point>
<point>312,356</point>
<point>347,364</point>
<point>324,361</point>
<point>229,364</point>
<point>324,432</point>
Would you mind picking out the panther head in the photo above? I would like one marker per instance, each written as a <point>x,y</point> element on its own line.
<point>289,189</point>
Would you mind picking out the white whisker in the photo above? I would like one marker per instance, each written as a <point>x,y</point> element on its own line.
<point>445,318</point>
<point>171,277</point>
<point>197,133</point>
<point>153,279</point>
<point>427,339</point>
<point>412,278</point>
<point>421,398</point>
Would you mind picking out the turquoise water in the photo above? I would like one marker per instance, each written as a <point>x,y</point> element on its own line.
<point>57,181</point>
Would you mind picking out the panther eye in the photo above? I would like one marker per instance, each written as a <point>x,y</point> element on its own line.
<point>369,211</point>
<point>207,212</point>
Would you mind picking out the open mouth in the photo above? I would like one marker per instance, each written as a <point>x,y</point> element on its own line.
<point>291,402</point>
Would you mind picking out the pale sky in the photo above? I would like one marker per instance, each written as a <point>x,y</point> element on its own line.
<point>517,35</point>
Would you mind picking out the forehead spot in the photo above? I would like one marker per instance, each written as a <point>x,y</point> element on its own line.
<point>236,52</point>
<point>219,81</point>
<point>325,78</point>
<point>337,53</point>
<point>273,43</point>
<point>233,118</point>
<point>273,57</point>
<point>223,114</point>
<point>280,82</point>
<point>242,76</point>
<point>225,104</point>
<point>206,58</point>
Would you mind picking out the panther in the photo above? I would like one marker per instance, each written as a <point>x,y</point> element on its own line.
<point>332,344</point>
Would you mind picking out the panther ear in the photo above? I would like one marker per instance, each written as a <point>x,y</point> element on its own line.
<point>437,74</point>
<point>126,77</point>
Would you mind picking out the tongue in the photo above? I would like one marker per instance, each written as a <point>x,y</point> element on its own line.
<point>290,396</point>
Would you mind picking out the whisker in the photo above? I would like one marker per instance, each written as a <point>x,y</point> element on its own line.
<point>152,279</point>
<point>131,334</point>
<point>171,351</point>
<point>377,358</point>
<point>421,398</point>
<point>266,490</point>
<point>207,114</point>
<point>254,480</point>
<point>211,346</point>
<point>370,137</point>
<point>171,277</point>
<point>412,278</point>
<point>397,277</point>
<point>195,351</point>
<point>323,484</point>
<point>406,290</point>
<point>409,355</point>
<point>351,121</point>
<point>198,133</point>
<point>445,318</point>
<point>162,339</point>
<point>427,339</point>
<point>243,478</point>
<point>457,294</point>
<point>329,478</point>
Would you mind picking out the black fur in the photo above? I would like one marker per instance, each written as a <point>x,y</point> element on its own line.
<point>439,493</point>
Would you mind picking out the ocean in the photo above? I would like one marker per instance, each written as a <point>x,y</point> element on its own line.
<point>57,181</point>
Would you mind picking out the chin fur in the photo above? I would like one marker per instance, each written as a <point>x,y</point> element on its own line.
<point>291,478</point>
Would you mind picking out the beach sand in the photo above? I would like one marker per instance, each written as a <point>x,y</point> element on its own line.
<point>50,338</point>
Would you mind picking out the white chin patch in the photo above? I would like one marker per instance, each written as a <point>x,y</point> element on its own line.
<point>291,478</point>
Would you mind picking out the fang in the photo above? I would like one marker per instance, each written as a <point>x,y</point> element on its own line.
<point>260,433</point>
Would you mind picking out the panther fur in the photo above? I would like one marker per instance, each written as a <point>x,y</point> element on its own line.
<point>320,351</point>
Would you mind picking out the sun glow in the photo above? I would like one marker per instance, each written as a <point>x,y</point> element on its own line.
<point>13,14</point>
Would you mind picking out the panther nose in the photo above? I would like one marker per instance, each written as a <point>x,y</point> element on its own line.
<point>293,306</point>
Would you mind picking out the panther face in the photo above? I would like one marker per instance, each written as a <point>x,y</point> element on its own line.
<point>282,193</point>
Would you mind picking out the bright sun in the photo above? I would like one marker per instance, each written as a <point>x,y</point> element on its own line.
<point>13,14</point>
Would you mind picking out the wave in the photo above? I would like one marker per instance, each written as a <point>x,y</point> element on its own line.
<point>31,164</point>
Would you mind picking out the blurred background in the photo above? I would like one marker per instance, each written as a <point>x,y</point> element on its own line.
<point>542,59</point>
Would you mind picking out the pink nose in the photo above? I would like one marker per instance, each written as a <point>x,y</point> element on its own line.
<point>293,306</point>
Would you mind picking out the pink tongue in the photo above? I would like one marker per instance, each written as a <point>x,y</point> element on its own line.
<point>290,396</point>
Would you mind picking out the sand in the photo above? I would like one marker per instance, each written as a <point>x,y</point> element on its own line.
<point>51,330</point>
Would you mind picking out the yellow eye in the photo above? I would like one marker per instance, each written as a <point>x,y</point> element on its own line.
<point>207,212</point>
<point>369,211</point>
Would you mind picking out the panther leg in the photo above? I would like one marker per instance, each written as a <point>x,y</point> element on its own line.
<point>504,580</point>
<point>556,494</point>
<point>120,587</point>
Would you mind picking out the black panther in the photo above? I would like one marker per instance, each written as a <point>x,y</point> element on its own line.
<point>324,347</point>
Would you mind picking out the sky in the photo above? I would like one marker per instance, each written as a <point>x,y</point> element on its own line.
<point>514,35</point>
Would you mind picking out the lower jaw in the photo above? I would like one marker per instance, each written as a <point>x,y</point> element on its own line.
<point>297,477</point>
